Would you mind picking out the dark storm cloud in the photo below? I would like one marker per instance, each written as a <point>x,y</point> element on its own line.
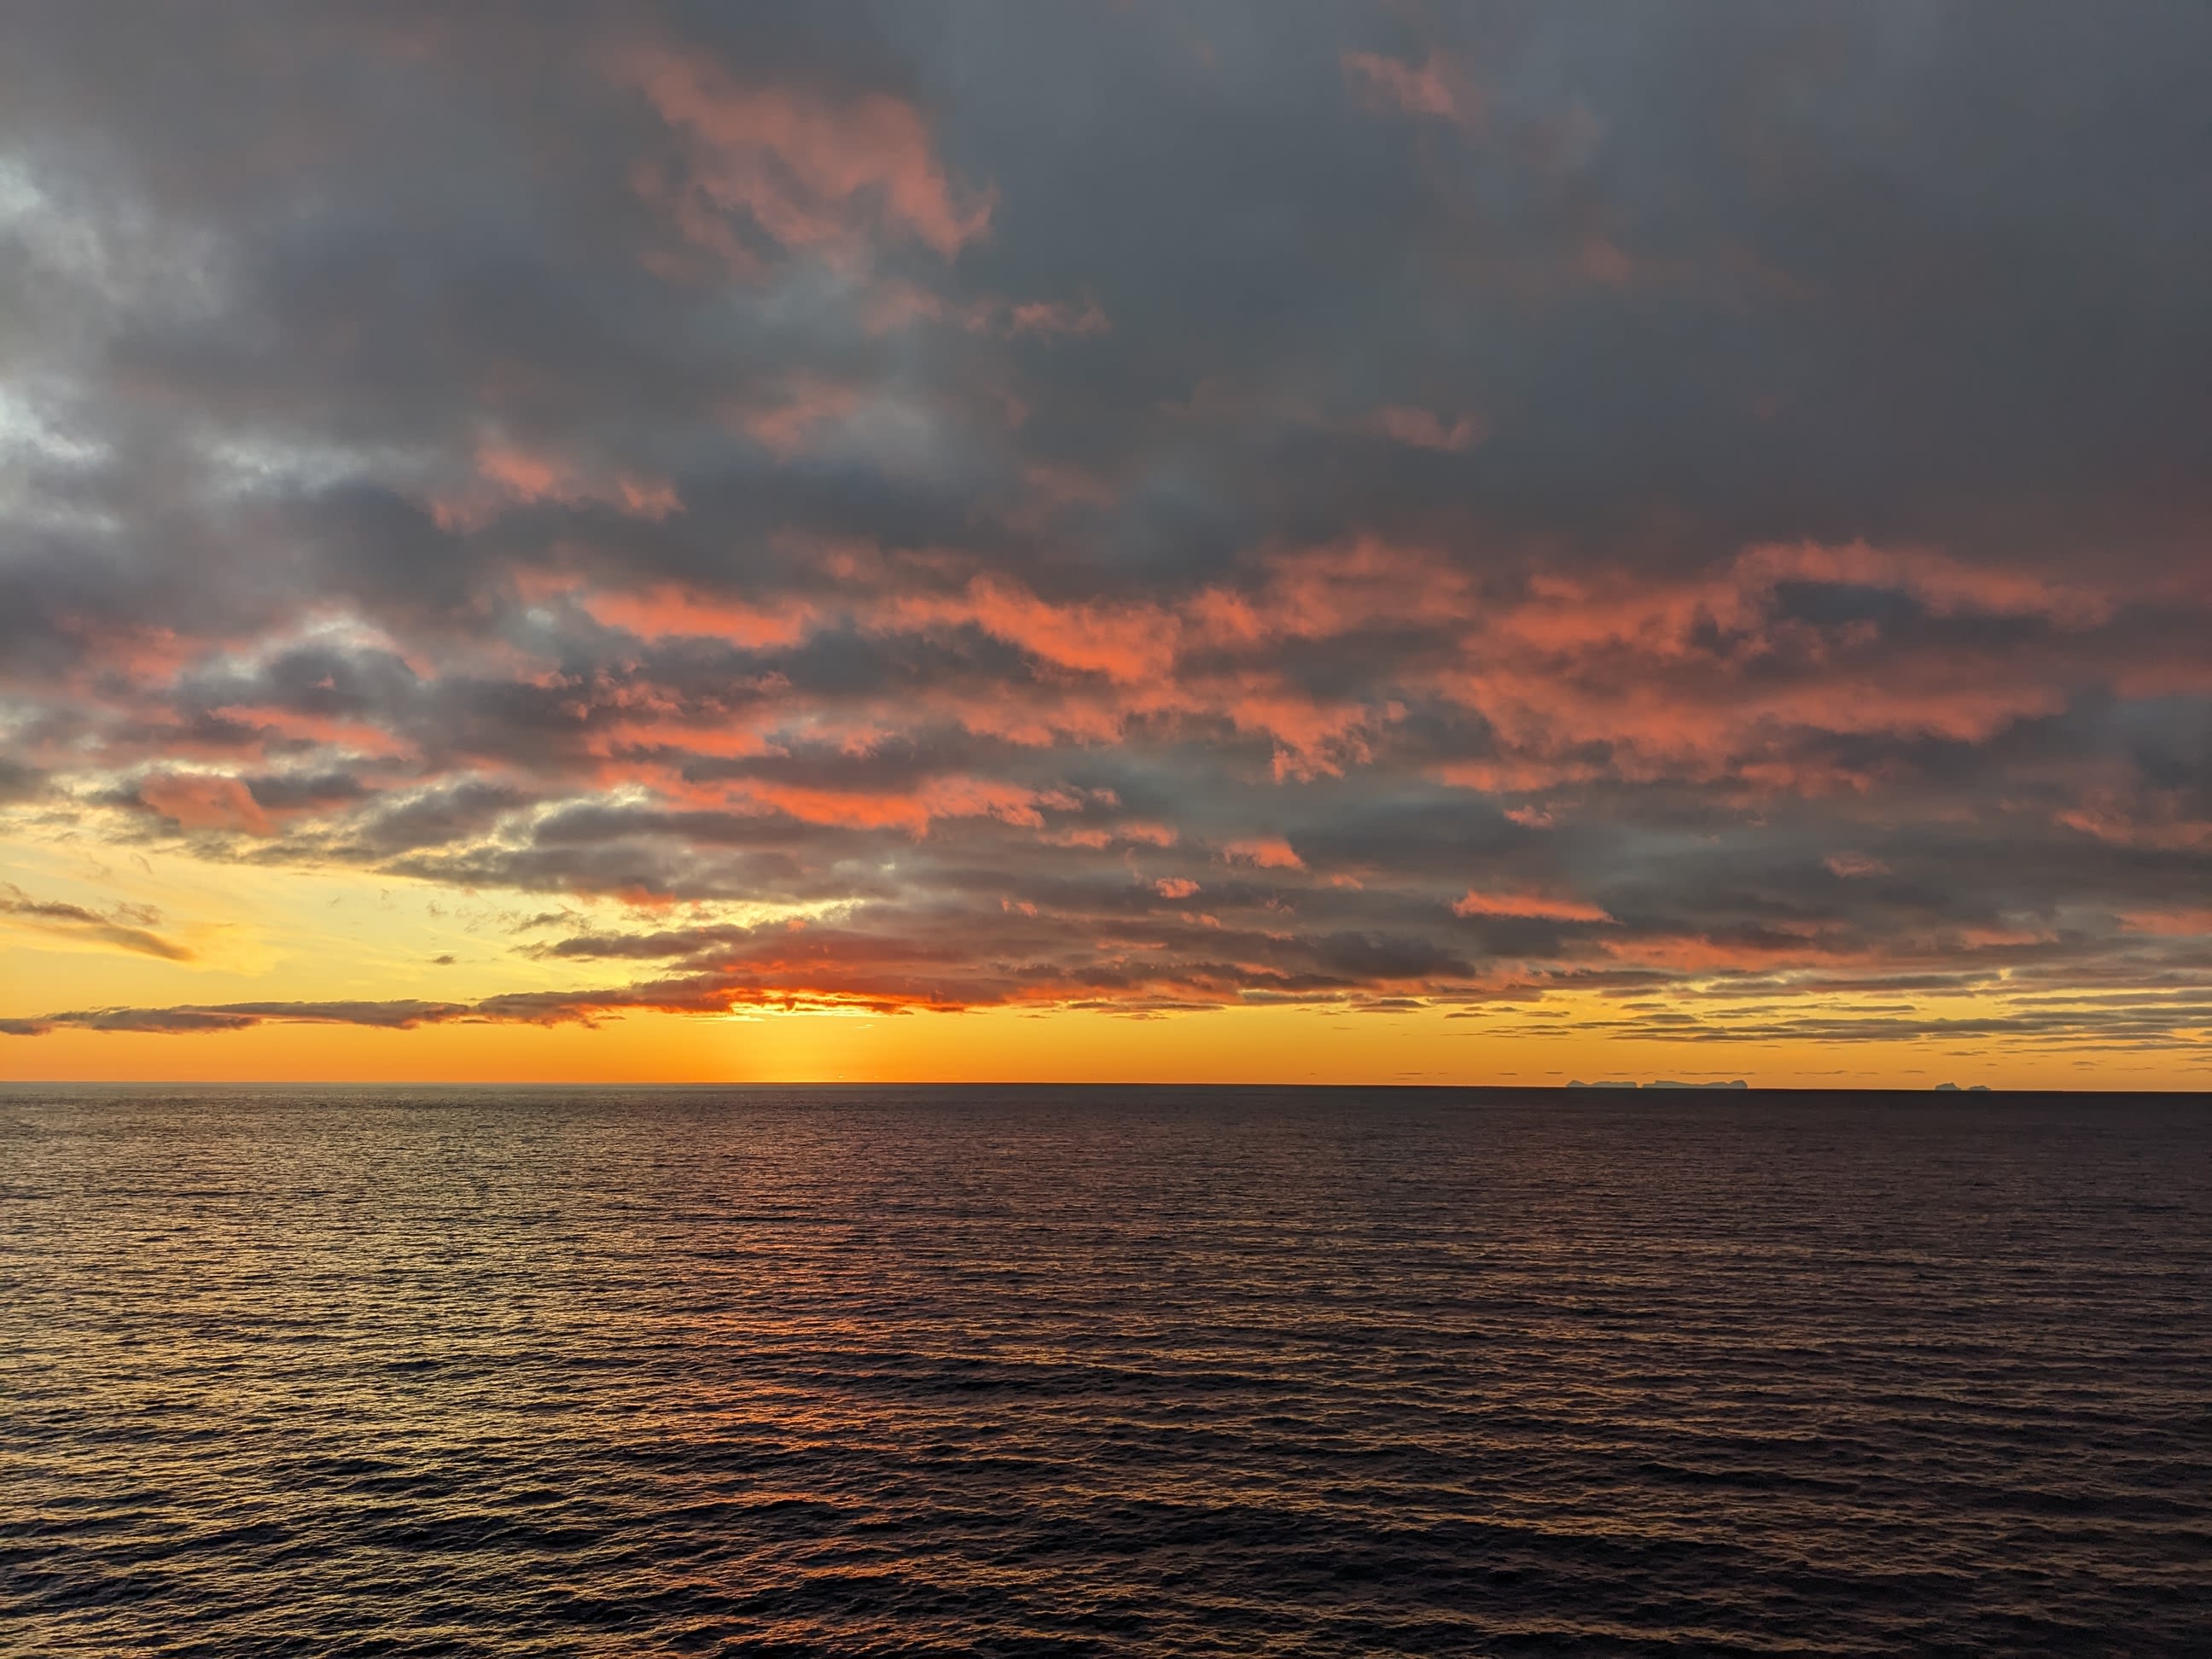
<point>1140,508</point>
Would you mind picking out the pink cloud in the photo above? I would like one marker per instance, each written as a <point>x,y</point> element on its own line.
<point>2183,922</point>
<point>808,406</point>
<point>1855,865</point>
<point>2158,820</point>
<point>810,172</point>
<point>286,725</point>
<point>1049,318</point>
<point>1436,89</point>
<point>204,801</point>
<point>894,302</point>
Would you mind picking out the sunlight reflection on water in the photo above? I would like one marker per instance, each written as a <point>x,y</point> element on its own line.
<point>1051,1370</point>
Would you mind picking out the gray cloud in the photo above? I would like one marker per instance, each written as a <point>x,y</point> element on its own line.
<point>123,930</point>
<point>1138,508</point>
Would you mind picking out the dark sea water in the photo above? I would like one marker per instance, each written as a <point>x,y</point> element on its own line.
<point>1046,1372</point>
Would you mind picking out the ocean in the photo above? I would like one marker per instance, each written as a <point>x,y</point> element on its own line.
<point>1102,1371</point>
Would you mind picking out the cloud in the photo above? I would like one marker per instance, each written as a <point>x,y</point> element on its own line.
<point>399,1014</point>
<point>1560,542</point>
<point>1531,906</point>
<point>1047,318</point>
<point>19,781</point>
<point>1422,428</point>
<point>507,475</point>
<point>1434,87</point>
<point>1265,853</point>
<point>801,168</point>
<point>1853,866</point>
<point>203,800</point>
<point>123,930</point>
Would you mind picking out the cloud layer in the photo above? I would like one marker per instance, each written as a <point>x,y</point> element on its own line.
<point>940,506</point>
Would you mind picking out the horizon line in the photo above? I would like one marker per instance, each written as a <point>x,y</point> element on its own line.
<point>1663,1086</point>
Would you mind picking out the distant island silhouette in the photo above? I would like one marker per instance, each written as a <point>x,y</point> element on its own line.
<point>1661,1082</point>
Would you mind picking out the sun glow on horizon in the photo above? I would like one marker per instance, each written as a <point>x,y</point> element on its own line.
<point>771,535</point>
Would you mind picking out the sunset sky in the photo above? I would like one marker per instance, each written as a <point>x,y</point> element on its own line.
<point>1270,541</point>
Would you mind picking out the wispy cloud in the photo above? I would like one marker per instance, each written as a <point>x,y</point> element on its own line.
<point>125,928</point>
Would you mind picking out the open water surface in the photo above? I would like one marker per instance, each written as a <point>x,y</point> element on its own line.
<point>1106,1370</point>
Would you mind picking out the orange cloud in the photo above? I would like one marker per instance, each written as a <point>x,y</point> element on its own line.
<point>1633,666</point>
<point>1265,853</point>
<point>1130,833</point>
<point>1699,676</point>
<point>1123,642</point>
<point>508,475</point>
<point>1345,587</point>
<point>913,812</point>
<point>1531,906</point>
<point>666,611</point>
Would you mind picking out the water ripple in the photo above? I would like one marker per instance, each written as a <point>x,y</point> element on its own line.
<point>1039,1372</point>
